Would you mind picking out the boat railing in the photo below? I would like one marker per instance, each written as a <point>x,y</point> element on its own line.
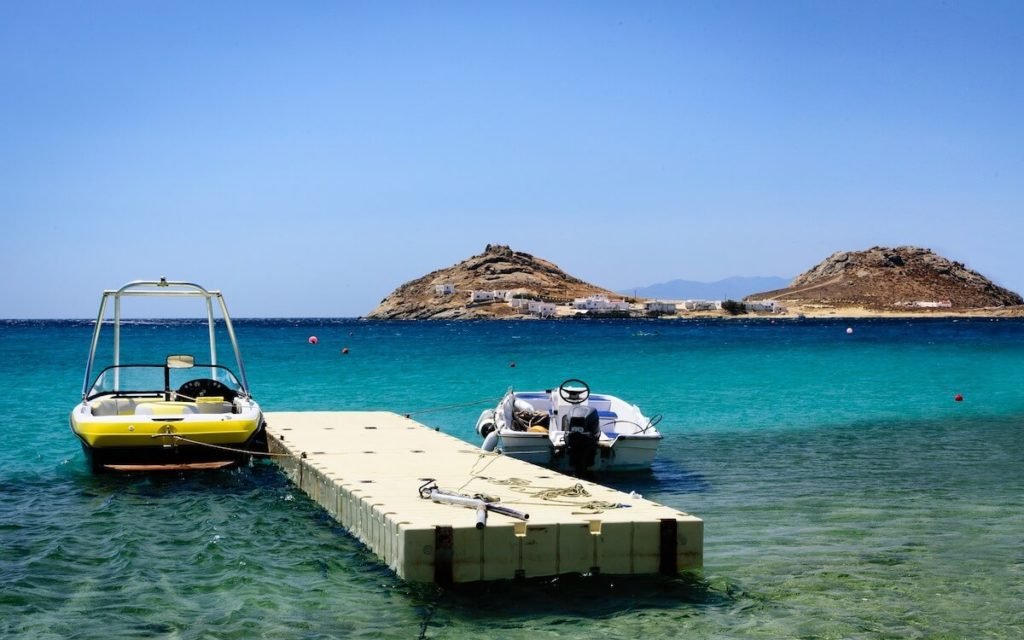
<point>166,289</point>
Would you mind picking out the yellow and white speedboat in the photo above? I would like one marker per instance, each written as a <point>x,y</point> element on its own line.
<point>173,414</point>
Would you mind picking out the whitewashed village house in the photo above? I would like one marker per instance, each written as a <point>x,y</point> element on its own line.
<point>540,308</point>
<point>701,305</point>
<point>483,295</point>
<point>445,289</point>
<point>659,306</point>
<point>599,302</point>
<point>764,306</point>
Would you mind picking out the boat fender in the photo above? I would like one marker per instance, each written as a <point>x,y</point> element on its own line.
<point>522,405</point>
<point>490,442</point>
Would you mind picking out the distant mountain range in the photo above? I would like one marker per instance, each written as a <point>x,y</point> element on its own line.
<point>735,288</point>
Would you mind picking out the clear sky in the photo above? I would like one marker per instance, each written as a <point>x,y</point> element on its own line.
<point>306,158</point>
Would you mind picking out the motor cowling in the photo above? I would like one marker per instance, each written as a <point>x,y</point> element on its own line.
<point>486,423</point>
<point>582,427</point>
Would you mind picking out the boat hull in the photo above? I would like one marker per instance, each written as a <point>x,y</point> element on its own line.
<point>144,442</point>
<point>535,448</point>
<point>625,453</point>
<point>630,453</point>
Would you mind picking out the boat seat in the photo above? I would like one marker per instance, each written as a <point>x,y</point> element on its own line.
<point>115,406</point>
<point>607,421</point>
<point>213,404</point>
<point>614,428</point>
<point>165,409</point>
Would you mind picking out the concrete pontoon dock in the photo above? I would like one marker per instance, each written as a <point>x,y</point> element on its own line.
<point>366,469</point>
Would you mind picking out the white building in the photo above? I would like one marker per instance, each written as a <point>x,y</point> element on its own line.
<point>445,289</point>
<point>484,295</point>
<point>659,306</point>
<point>541,308</point>
<point>596,301</point>
<point>519,303</point>
<point>933,304</point>
<point>762,306</point>
<point>600,302</point>
<point>701,305</point>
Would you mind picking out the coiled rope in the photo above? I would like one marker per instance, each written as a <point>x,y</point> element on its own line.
<point>551,495</point>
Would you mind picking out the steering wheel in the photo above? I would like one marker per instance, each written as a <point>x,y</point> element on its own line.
<point>201,387</point>
<point>574,391</point>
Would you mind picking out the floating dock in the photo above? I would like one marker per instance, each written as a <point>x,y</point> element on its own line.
<point>367,470</point>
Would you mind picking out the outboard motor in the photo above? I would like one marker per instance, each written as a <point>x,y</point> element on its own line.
<point>582,428</point>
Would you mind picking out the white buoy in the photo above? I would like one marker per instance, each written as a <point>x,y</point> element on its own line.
<point>849,329</point>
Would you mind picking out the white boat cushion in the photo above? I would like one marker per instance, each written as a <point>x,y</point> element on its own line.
<point>114,406</point>
<point>165,409</point>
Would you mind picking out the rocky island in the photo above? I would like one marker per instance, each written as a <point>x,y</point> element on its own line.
<point>499,275</point>
<point>888,280</point>
<point>881,281</point>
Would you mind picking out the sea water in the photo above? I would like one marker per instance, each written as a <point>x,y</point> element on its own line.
<point>845,493</point>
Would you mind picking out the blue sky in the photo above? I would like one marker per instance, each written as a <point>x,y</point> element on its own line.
<point>307,158</point>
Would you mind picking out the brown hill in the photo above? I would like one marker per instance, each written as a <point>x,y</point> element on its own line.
<point>885,278</point>
<point>497,268</point>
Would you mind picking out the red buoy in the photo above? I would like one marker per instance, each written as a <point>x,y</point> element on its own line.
<point>313,340</point>
<point>958,398</point>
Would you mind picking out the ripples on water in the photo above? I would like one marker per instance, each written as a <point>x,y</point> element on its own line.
<point>891,512</point>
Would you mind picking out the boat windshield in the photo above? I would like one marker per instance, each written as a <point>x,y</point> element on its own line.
<point>143,379</point>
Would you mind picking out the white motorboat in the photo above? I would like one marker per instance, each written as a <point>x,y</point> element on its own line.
<point>570,429</point>
<point>175,414</point>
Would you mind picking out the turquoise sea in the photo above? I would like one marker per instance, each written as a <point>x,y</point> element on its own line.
<point>845,493</point>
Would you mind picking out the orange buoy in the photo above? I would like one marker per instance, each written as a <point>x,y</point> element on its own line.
<point>958,398</point>
<point>313,340</point>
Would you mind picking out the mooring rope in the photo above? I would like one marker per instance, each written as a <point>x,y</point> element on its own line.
<point>449,406</point>
<point>231,449</point>
<point>431,609</point>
